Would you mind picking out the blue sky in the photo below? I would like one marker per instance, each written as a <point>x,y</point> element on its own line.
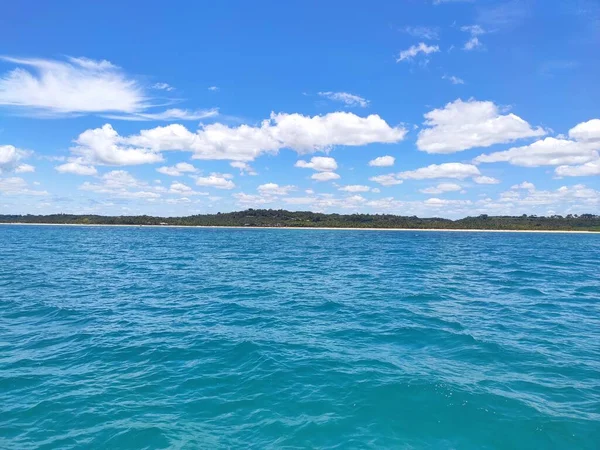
<point>435,108</point>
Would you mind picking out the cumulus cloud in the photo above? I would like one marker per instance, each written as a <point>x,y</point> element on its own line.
<point>387,180</point>
<point>446,170</point>
<point>177,170</point>
<point>355,188</point>
<point>586,131</point>
<point>274,189</point>
<point>77,167</point>
<point>346,98</point>
<point>464,125</point>
<point>546,152</point>
<point>24,168</point>
<point>218,181</point>
<point>213,88</point>
<point>485,180</point>
<point>178,188</point>
<point>104,146</point>
<point>17,186</point>
<point>244,167</point>
<point>411,52</point>
<point>216,141</point>
<point>441,188</point>
<point>325,176</point>
<point>120,183</point>
<point>319,163</point>
<point>524,185</point>
<point>10,160</point>
<point>584,170</point>
<point>382,161</point>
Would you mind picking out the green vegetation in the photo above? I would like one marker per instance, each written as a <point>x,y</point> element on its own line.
<point>282,218</point>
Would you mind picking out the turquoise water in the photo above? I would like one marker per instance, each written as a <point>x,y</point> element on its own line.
<point>225,338</point>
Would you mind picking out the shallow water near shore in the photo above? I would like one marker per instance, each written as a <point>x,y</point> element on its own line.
<point>234,338</point>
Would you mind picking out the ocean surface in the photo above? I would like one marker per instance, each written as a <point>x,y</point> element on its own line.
<point>237,338</point>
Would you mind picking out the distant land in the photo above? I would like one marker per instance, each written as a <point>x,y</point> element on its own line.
<point>307,219</point>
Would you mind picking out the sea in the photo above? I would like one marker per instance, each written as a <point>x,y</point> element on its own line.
<point>158,337</point>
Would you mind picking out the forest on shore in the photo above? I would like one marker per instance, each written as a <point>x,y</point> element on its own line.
<point>283,218</point>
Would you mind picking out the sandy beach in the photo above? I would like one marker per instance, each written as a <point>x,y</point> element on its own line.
<point>305,228</point>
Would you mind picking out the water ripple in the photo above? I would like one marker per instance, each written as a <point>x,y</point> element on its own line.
<point>213,338</point>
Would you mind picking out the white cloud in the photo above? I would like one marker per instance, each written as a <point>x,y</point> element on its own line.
<point>213,88</point>
<point>447,170</point>
<point>355,188</point>
<point>474,31</point>
<point>431,33</point>
<point>464,125</point>
<point>309,134</point>
<point>441,188</point>
<point>17,186</point>
<point>546,152</point>
<point>485,180</point>
<point>453,79</point>
<point>177,170</point>
<point>50,88</point>
<point>411,52</point>
<point>10,158</point>
<point>319,163</point>
<point>24,168</point>
<point>77,86</point>
<point>524,185</point>
<point>439,202</point>
<point>386,180</point>
<point>249,200</point>
<point>104,146</point>
<point>564,198</point>
<point>274,189</point>
<point>585,170</point>
<point>120,183</point>
<point>382,161</point>
<point>303,134</point>
<point>167,116</point>
<point>346,98</point>
<point>183,189</point>
<point>76,167</point>
<point>472,43</point>
<point>244,167</point>
<point>163,87</point>
<point>325,176</point>
<point>586,131</point>
<point>215,180</point>
<point>458,171</point>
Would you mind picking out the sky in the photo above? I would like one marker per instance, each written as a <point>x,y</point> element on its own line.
<point>435,108</point>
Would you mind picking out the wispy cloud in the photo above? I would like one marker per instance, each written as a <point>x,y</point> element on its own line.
<point>453,79</point>
<point>431,33</point>
<point>346,98</point>
<point>79,86</point>
<point>475,31</point>
<point>411,52</point>
<point>163,87</point>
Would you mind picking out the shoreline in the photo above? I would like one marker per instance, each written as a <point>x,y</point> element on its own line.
<point>459,230</point>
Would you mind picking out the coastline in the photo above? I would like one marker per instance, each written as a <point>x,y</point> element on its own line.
<point>459,230</point>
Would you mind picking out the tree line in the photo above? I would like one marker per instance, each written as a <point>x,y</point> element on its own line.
<point>283,218</point>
